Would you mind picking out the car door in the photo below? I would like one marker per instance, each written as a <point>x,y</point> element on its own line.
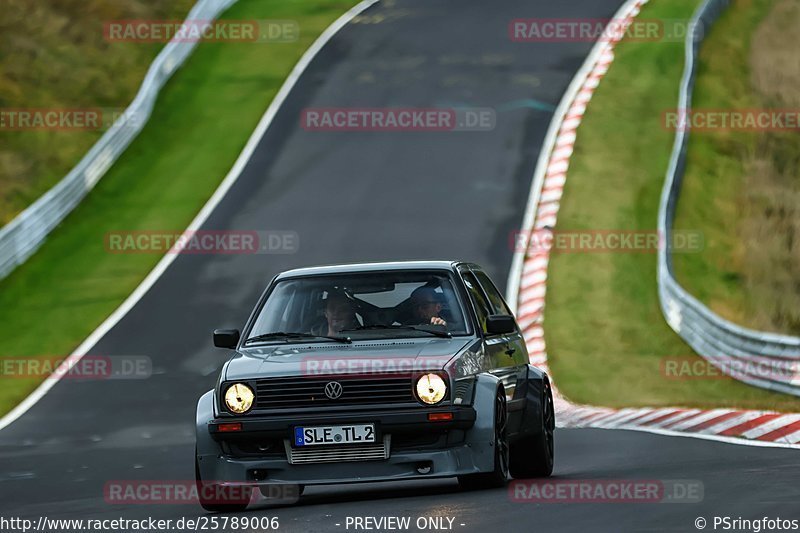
<point>501,363</point>
<point>514,354</point>
<point>516,342</point>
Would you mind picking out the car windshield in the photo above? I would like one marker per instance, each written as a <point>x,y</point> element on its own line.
<point>360,306</point>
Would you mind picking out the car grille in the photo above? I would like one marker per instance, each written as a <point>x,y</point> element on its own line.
<point>334,454</point>
<point>295,392</point>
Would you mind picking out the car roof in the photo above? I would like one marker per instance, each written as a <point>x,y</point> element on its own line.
<point>371,267</point>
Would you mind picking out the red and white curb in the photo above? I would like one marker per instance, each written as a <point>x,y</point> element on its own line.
<point>528,287</point>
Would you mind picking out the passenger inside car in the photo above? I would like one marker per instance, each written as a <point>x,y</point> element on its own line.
<point>426,306</point>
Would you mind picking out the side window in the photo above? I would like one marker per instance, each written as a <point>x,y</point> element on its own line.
<point>478,300</point>
<point>499,306</point>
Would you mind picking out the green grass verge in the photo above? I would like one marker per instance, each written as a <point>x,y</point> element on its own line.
<point>201,122</point>
<point>53,54</point>
<point>606,337</point>
<point>742,189</point>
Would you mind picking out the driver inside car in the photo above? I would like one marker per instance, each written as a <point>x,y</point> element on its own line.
<point>426,306</point>
<point>339,314</point>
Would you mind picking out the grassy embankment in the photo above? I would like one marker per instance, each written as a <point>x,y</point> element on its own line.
<point>201,122</point>
<point>607,340</point>
<point>55,55</point>
<point>743,188</point>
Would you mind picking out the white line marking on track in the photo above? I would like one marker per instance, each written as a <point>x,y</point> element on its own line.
<point>204,213</point>
<point>701,436</point>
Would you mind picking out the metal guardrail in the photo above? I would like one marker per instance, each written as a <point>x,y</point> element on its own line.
<point>21,237</point>
<point>766,360</point>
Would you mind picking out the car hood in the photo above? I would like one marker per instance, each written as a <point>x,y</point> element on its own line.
<point>361,357</point>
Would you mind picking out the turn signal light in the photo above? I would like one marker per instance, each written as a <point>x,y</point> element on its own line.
<point>225,428</point>
<point>439,417</point>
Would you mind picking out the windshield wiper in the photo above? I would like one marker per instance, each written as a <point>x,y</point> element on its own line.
<point>295,335</point>
<point>421,328</point>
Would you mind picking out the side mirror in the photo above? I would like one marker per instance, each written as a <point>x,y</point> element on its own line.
<point>226,338</point>
<point>500,324</point>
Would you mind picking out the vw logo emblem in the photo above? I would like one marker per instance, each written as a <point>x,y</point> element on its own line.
<point>333,389</point>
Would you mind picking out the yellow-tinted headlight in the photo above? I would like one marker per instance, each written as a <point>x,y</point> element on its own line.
<point>431,388</point>
<point>239,398</point>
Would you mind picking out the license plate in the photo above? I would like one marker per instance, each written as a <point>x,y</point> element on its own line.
<point>351,434</point>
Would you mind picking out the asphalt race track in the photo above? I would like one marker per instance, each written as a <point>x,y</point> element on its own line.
<point>369,196</point>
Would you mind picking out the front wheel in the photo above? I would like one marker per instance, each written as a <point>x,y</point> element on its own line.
<point>217,498</point>
<point>499,476</point>
<point>533,456</point>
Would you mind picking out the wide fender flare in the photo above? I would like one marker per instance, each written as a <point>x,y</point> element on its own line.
<point>480,438</point>
<point>535,383</point>
<point>206,445</point>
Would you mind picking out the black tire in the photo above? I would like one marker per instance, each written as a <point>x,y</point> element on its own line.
<point>533,456</point>
<point>499,476</point>
<point>231,505</point>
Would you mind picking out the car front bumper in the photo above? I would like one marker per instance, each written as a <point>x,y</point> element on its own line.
<point>399,466</point>
<point>417,448</point>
